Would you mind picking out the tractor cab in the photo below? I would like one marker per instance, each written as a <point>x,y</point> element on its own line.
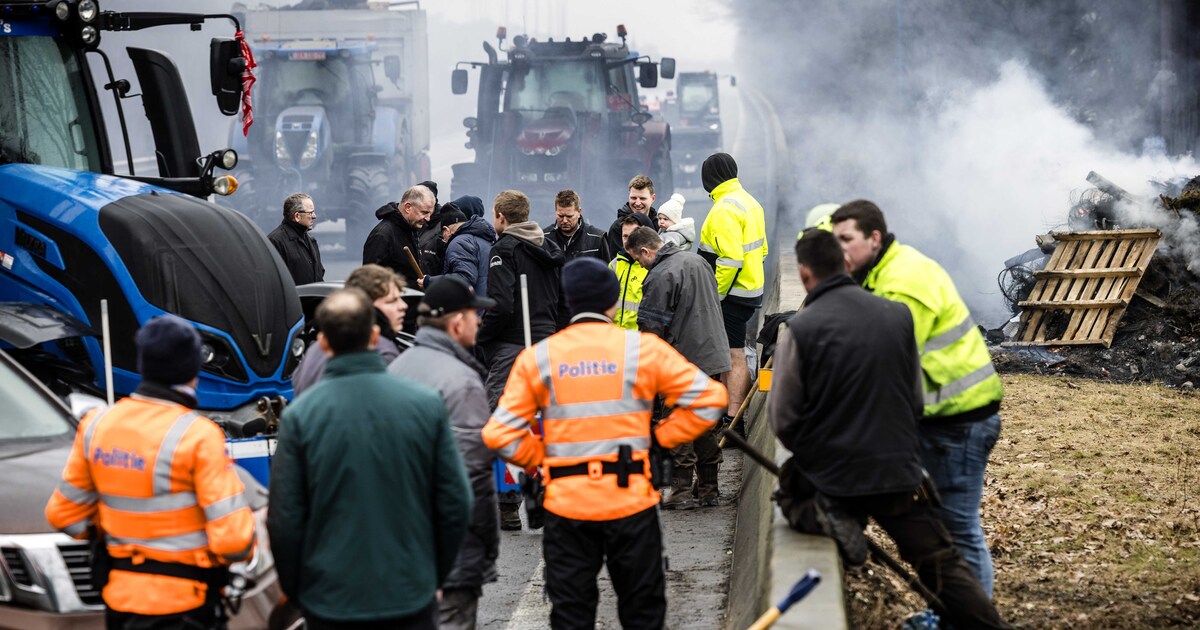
<point>563,114</point>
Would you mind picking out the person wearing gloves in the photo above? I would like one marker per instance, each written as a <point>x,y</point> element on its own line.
<point>673,227</point>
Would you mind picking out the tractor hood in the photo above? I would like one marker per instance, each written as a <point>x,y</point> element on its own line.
<point>70,239</point>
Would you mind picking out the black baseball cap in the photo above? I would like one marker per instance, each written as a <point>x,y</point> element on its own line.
<point>451,293</point>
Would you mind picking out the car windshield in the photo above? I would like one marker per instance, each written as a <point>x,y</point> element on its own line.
<point>579,85</point>
<point>30,418</point>
<point>44,115</point>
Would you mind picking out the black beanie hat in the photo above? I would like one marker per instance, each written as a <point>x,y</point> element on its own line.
<point>168,351</point>
<point>589,286</point>
<point>717,169</point>
<point>432,187</point>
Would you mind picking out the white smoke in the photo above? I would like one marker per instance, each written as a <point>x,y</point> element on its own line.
<point>943,122</point>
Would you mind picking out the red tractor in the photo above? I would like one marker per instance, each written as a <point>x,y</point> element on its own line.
<point>555,115</point>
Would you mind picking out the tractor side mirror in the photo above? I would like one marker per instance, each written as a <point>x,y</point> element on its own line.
<point>391,68</point>
<point>640,118</point>
<point>225,68</point>
<point>668,67</point>
<point>733,81</point>
<point>458,81</point>
<point>647,74</point>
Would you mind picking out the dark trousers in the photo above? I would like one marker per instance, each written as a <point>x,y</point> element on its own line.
<point>203,618</point>
<point>424,619</point>
<point>632,549</point>
<point>500,359</point>
<point>912,520</point>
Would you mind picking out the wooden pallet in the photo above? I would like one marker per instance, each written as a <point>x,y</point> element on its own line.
<point>1083,291</point>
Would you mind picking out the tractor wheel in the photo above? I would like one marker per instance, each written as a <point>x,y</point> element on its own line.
<point>662,173</point>
<point>251,200</point>
<point>367,189</point>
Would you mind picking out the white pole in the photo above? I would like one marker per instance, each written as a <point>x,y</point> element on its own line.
<point>108,371</point>
<point>525,309</point>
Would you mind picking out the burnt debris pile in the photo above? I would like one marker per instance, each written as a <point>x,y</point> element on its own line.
<point>1157,335</point>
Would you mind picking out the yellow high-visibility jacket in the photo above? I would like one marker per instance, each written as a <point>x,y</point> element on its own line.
<point>735,234</point>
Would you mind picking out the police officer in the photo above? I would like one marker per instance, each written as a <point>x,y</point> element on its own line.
<point>153,476</point>
<point>734,241</point>
<point>594,384</point>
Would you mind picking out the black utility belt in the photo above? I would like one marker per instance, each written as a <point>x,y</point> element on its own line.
<point>595,469</point>
<point>213,577</point>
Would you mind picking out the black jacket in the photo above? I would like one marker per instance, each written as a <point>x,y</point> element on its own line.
<point>385,246</point>
<point>588,240</point>
<point>614,231</point>
<point>847,391</point>
<point>299,251</point>
<point>523,249</point>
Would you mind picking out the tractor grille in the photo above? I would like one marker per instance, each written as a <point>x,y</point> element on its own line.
<point>78,558</point>
<point>16,566</point>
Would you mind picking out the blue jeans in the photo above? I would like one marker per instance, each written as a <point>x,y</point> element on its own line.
<point>956,457</point>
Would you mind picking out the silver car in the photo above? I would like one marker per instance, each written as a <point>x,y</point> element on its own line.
<point>45,575</point>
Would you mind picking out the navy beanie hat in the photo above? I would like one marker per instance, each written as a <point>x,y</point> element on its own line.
<point>716,170</point>
<point>589,286</point>
<point>168,351</point>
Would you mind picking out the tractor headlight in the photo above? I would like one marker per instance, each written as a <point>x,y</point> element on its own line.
<point>281,151</point>
<point>62,11</point>
<point>310,151</point>
<point>229,159</point>
<point>89,35</point>
<point>554,150</point>
<point>526,151</point>
<point>714,126</point>
<point>88,10</point>
<point>297,347</point>
<point>225,185</point>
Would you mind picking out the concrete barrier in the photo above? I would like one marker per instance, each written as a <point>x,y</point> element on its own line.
<point>768,556</point>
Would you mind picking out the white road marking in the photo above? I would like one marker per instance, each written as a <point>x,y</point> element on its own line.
<point>533,611</point>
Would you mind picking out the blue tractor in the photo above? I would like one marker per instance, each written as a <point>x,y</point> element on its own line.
<point>75,234</point>
<point>341,96</point>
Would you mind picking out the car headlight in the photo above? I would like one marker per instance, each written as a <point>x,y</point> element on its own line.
<point>310,151</point>
<point>281,151</point>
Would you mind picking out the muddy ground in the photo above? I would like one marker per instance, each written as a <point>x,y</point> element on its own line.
<point>1091,508</point>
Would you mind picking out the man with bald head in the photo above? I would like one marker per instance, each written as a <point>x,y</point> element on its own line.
<point>406,491</point>
<point>399,226</point>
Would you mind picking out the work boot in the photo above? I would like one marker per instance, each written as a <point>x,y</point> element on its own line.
<point>510,517</point>
<point>706,484</point>
<point>679,495</point>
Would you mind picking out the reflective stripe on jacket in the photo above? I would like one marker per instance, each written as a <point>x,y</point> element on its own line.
<point>630,274</point>
<point>595,384</point>
<point>735,235</point>
<point>155,477</point>
<point>959,375</point>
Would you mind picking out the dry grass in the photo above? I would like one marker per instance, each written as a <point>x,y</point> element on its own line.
<point>1092,510</point>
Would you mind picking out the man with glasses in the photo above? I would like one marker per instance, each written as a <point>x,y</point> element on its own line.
<point>575,236</point>
<point>295,244</point>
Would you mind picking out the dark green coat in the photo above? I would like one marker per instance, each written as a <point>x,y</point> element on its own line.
<point>369,497</point>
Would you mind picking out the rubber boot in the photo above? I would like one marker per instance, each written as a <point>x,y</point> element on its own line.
<point>706,484</point>
<point>679,495</point>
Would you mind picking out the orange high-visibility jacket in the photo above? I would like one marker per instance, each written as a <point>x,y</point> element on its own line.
<point>595,385</point>
<point>155,478</point>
